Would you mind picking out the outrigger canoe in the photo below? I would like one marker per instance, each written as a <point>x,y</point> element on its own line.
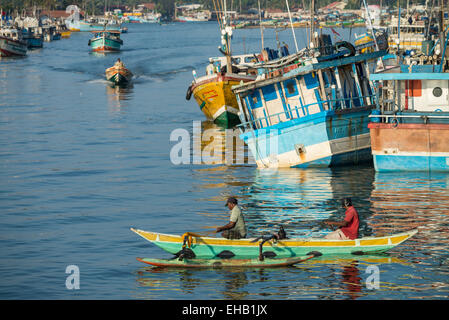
<point>209,247</point>
<point>225,263</point>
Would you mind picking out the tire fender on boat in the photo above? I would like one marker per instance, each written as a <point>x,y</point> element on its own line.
<point>189,93</point>
<point>347,45</point>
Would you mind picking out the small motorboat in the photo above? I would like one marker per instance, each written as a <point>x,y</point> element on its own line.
<point>118,74</point>
<point>65,34</point>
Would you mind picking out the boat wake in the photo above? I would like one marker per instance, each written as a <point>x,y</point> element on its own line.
<point>141,75</point>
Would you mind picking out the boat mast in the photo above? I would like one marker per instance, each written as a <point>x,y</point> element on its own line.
<point>442,36</point>
<point>227,33</point>
<point>260,24</point>
<point>291,24</point>
<point>399,26</point>
<point>370,26</point>
<point>312,23</point>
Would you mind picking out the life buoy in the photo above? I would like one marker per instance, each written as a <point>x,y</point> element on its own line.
<point>394,122</point>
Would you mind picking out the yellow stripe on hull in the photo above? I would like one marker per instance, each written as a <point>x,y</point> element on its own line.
<point>406,43</point>
<point>310,242</point>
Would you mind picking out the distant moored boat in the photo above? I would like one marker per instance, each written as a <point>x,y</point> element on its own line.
<point>11,43</point>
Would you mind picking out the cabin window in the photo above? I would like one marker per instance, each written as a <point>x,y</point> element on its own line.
<point>437,92</point>
<point>269,92</point>
<point>290,88</point>
<point>255,100</point>
<point>249,59</point>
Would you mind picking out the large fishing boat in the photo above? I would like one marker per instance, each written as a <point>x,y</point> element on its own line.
<point>406,34</point>
<point>213,91</point>
<point>105,41</point>
<point>310,109</point>
<point>12,43</point>
<point>410,127</point>
<point>32,38</point>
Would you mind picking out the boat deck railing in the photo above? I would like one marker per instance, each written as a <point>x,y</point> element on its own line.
<point>394,118</point>
<point>294,113</point>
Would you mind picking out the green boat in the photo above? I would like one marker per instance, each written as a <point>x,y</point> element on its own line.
<point>105,41</point>
<point>209,247</point>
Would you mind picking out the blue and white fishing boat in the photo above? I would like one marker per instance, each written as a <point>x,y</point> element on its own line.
<point>410,127</point>
<point>33,38</point>
<point>310,109</point>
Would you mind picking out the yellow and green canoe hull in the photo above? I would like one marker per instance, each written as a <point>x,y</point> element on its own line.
<point>208,248</point>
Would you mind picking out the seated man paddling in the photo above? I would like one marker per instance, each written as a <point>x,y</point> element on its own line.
<point>236,228</point>
<point>348,229</point>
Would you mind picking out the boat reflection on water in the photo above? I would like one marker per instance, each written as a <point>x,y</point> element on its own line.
<point>119,95</point>
<point>347,276</point>
<point>332,277</point>
<point>228,283</point>
<point>102,54</point>
<point>411,200</point>
<point>300,199</point>
<point>214,145</point>
<point>416,199</point>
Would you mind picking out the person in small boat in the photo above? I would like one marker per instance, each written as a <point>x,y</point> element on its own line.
<point>119,64</point>
<point>348,229</point>
<point>236,228</point>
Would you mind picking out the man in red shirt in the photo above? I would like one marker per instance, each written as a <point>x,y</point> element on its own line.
<point>348,229</point>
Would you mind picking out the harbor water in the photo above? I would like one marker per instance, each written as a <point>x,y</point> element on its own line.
<point>81,162</point>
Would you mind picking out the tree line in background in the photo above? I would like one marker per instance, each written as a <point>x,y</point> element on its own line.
<point>166,7</point>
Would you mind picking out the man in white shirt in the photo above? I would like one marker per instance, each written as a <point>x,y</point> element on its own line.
<point>236,228</point>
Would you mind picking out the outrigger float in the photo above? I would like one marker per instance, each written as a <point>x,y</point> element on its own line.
<point>210,248</point>
<point>225,263</point>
